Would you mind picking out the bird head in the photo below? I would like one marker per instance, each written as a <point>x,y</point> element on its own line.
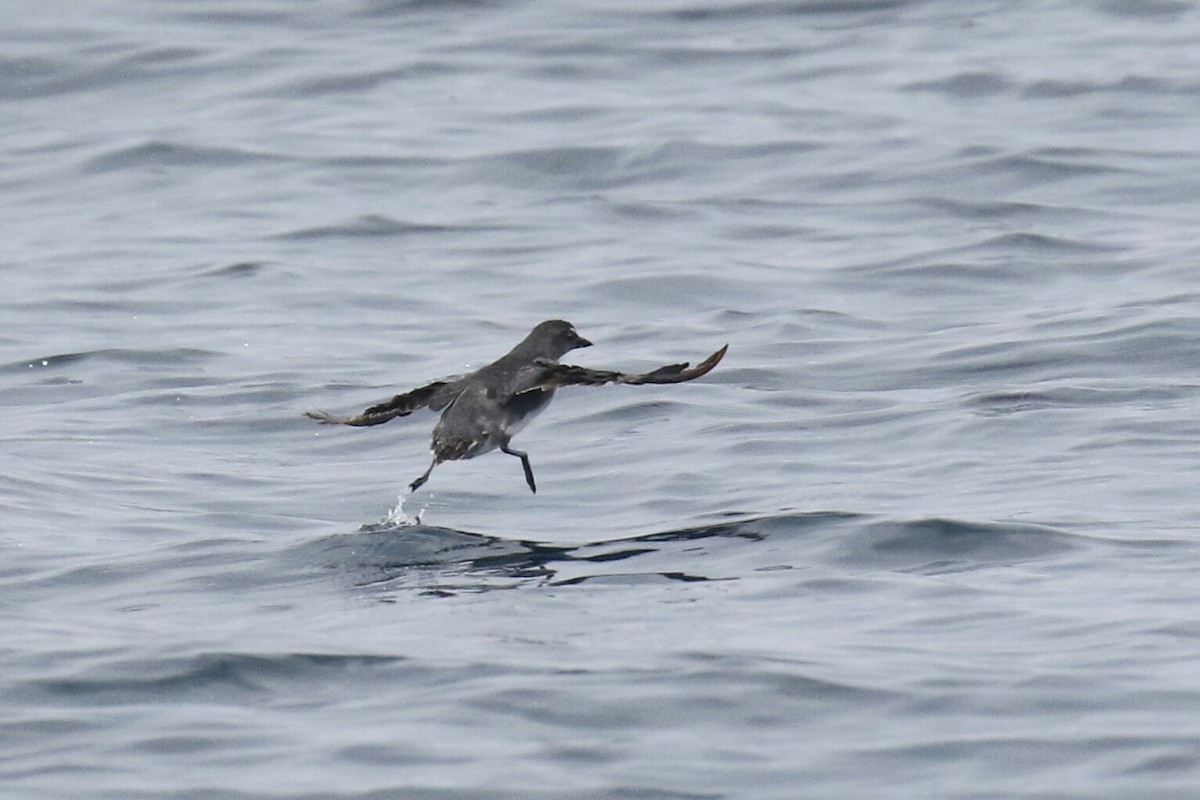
<point>555,337</point>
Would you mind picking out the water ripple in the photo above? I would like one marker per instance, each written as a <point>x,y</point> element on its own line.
<point>162,155</point>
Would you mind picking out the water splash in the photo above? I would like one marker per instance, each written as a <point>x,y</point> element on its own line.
<point>397,518</point>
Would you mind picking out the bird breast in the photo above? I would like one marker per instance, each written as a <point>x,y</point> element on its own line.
<point>475,423</point>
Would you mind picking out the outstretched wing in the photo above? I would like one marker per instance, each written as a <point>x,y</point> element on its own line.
<point>436,395</point>
<point>570,375</point>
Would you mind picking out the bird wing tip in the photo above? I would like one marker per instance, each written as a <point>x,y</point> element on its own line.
<point>707,364</point>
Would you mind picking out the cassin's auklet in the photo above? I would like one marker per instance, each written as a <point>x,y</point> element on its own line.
<point>483,410</point>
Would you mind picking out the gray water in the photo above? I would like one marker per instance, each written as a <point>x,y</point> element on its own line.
<point>929,531</point>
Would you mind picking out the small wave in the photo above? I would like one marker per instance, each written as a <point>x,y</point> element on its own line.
<point>440,561</point>
<point>390,8</point>
<point>936,545</point>
<point>172,154</point>
<point>1013,402</point>
<point>371,225</point>
<point>1040,243</point>
<point>742,12</point>
<point>989,209</point>
<point>1044,165</point>
<point>559,166</point>
<point>667,288</point>
<point>241,269</point>
<point>166,679</point>
<point>345,83</point>
<point>1132,85</point>
<point>141,358</point>
<point>28,77</point>
<point>591,168</point>
<point>964,85</point>
<point>1166,347</point>
<point>1152,10</point>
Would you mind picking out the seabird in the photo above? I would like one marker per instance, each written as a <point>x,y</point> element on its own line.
<point>483,410</point>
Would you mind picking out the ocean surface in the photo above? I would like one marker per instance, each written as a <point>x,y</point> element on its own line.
<point>931,530</point>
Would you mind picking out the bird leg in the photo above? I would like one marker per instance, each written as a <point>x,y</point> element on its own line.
<point>419,482</point>
<point>504,448</point>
